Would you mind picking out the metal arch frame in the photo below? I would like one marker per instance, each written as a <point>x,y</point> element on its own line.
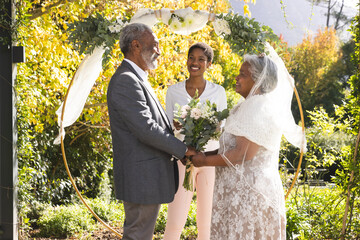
<point>301,150</point>
<point>69,173</point>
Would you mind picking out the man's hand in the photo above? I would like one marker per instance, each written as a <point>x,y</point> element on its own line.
<point>184,160</point>
<point>190,151</point>
<point>177,125</point>
<point>199,160</point>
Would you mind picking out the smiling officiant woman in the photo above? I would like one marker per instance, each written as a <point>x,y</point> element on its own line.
<point>145,149</point>
<point>200,56</point>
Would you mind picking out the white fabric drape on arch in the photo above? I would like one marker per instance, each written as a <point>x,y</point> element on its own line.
<point>84,79</point>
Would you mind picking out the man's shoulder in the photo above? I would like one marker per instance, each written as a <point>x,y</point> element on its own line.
<point>124,71</point>
<point>124,67</point>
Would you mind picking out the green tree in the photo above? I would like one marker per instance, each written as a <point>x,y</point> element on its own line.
<point>332,142</point>
<point>316,84</point>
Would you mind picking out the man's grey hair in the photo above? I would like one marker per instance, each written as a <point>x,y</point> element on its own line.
<point>263,71</point>
<point>131,32</point>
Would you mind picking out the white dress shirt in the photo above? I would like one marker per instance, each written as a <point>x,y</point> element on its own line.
<point>143,75</point>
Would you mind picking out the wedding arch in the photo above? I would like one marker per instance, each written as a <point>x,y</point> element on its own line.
<point>244,35</point>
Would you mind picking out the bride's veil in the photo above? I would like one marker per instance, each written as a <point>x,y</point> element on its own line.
<point>265,115</point>
<point>282,98</point>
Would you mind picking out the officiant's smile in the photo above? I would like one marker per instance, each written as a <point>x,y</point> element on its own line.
<point>197,62</point>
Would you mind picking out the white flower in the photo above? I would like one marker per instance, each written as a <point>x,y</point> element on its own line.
<point>175,24</point>
<point>115,28</point>
<point>183,114</point>
<point>214,120</point>
<point>195,113</point>
<point>184,21</point>
<point>118,28</point>
<point>185,108</point>
<point>206,111</point>
<point>188,20</point>
<point>112,28</point>
<point>221,26</point>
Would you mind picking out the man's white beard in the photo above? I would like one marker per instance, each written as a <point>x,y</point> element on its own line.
<point>150,59</point>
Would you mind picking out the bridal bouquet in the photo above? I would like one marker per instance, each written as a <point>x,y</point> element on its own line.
<point>200,123</point>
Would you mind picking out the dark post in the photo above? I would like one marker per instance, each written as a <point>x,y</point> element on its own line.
<point>8,159</point>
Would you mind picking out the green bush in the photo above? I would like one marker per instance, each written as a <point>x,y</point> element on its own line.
<point>109,211</point>
<point>65,221</point>
<point>161,220</point>
<point>191,219</point>
<point>327,140</point>
<point>232,98</point>
<point>189,233</point>
<point>316,213</point>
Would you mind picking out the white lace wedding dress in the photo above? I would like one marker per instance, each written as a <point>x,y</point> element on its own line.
<point>248,200</point>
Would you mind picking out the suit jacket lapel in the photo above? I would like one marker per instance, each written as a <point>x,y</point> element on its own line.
<point>158,104</point>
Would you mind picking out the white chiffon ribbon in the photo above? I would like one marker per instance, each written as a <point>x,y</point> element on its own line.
<point>85,76</point>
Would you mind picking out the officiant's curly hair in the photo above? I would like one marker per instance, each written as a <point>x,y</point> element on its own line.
<point>209,53</point>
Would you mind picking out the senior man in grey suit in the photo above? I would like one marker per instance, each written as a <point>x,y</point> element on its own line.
<point>145,173</point>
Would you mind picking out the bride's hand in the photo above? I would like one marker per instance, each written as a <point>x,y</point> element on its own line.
<point>199,160</point>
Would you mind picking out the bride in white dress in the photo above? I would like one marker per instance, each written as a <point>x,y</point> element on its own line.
<point>248,200</point>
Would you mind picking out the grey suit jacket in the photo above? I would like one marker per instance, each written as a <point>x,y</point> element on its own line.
<point>143,141</point>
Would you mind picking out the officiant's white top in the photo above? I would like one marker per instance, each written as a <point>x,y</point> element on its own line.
<point>177,94</point>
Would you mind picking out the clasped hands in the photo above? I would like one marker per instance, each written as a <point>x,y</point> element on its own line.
<point>198,159</point>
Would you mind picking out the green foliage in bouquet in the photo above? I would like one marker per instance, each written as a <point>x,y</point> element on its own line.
<point>200,122</point>
<point>247,35</point>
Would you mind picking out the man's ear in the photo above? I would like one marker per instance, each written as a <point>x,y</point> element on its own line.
<point>208,64</point>
<point>135,46</point>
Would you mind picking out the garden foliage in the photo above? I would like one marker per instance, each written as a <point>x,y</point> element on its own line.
<point>51,62</point>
